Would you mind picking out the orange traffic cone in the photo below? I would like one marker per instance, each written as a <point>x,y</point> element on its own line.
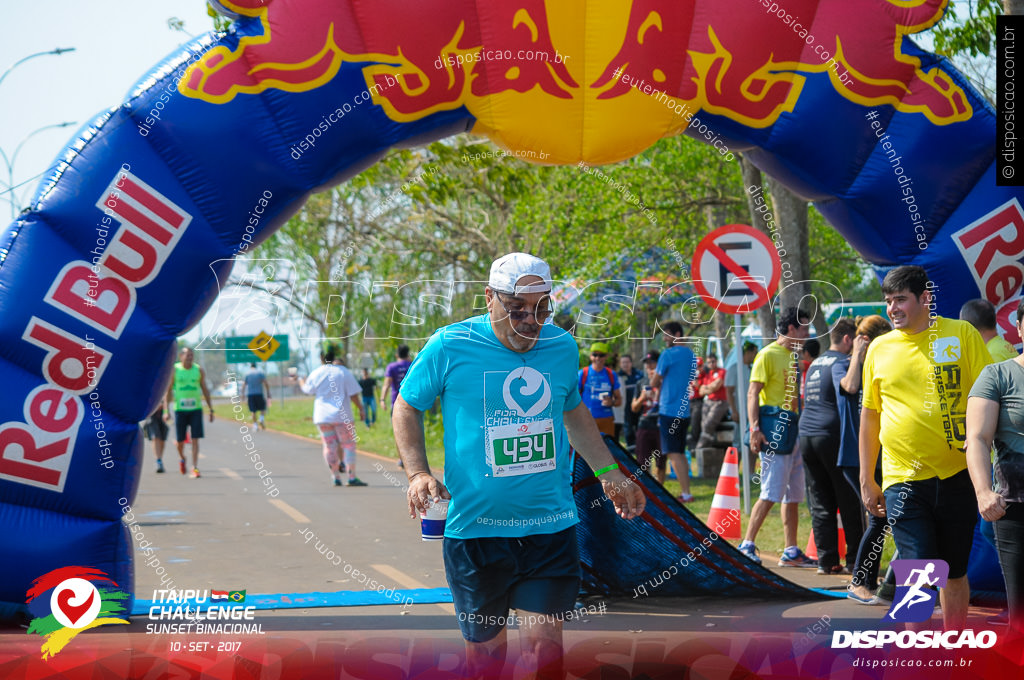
<point>724,517</point>
<point>812,550</point>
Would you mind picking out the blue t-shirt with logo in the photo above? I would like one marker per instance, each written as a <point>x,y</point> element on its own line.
<point>507,456</point>
<point>596,384</point>
<point>677,367</point>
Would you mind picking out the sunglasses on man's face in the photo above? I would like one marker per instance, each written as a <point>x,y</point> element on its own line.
<point>598,354</point>
<point>520,313</point>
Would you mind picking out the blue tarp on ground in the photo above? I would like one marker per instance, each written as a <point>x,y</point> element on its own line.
<point>652,553</point>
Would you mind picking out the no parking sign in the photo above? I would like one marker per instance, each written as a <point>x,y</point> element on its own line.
<point>736,269</point>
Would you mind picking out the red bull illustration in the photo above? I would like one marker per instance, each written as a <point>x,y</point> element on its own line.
<point>742,59</point>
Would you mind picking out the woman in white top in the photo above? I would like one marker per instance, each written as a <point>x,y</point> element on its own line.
<point>334,386</point>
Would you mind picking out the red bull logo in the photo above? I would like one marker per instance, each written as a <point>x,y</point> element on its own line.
<point>529,65</point>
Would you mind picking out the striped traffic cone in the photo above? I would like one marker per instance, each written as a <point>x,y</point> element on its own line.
<point>812,549</point>
<point>724,517</point>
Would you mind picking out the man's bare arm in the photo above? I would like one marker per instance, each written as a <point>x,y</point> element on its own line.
<point>584,436</point>
<point>412,448</point>
<point>871,493</point>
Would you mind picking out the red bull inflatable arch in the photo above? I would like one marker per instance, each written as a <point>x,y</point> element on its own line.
<point>113,260</point>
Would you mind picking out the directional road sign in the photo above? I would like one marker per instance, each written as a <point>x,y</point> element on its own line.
<point>244,349</point>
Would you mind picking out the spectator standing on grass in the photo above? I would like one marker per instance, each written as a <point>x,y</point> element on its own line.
<point>600,389</point>
<point>393,376</point>
<point>186,392</point>
<point>916,380</point>
<point>995,415</point>
<point>732,379</point>
<point>712,388</point>
<point>511,407</point>
<point>773,405</point>
<point>827,490</point>
<point>677,367</point>
<point>981,314</point>
<point>628,377</point>
<point>257,393</point>
<point>369,387</point>
<point>648,433</point>
<point>334,387</point>
<point>846,380</point>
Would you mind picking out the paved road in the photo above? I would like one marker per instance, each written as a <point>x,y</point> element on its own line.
<point>224,531</point>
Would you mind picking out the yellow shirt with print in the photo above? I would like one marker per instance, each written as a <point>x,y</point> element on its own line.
<point>919,384</point>
<point>1000,349</point>
<point>775,367</point>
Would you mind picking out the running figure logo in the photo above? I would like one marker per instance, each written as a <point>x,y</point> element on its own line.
<point>915,599</point>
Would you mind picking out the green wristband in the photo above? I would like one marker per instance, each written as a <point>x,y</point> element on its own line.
<point>613,466</point>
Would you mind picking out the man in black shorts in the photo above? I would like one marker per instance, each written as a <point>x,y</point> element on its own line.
<point>156,430</point>
<point>255,387</point>
<point>916,381</point>
<point>185,391</point>
<point>511,405</point>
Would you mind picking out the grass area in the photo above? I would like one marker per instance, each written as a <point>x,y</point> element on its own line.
<point>295,415</point>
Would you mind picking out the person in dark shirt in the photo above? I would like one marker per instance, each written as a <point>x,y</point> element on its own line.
<point>369,387</point>
<point>648,433</point>
<point>393,375</point>
<point>827,490</point>
<point>628,377</point>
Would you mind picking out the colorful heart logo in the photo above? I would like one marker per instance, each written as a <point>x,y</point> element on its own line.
<point>74,612</point>
<point>75,603</point>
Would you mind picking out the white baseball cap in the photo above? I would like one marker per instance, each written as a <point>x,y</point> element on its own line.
<point>507,270</point>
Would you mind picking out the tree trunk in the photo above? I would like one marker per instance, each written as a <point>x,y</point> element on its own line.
<point>751,181</point>
<point>791,218</point>
<point>1013,6</point>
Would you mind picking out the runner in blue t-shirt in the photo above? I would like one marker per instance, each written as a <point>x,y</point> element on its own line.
<point>510,403</point>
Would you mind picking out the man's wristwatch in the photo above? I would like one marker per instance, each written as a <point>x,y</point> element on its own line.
<point>755,428</point>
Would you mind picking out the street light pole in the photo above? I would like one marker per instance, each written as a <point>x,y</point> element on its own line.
<point>10,161</point>
<point>56,50</point>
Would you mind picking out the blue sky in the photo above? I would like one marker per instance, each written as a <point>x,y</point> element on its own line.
<point>116,42</point>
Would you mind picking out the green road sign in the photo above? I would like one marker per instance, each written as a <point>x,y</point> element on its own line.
<point>244,349</point>
<point>854,309</point>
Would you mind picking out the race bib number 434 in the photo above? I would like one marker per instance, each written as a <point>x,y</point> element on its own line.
<point>522,448</point>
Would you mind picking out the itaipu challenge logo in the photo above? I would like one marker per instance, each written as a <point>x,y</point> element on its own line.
<point>69,600</point>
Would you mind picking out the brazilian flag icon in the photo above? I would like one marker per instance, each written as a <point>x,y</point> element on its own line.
<point>237,596</point>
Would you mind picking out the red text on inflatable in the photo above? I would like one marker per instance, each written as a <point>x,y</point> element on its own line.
<point>993,247</point>
<point>101,294</point>
<point>37,452</point>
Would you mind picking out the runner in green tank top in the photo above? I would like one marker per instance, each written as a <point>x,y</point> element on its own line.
<point>185,392</point>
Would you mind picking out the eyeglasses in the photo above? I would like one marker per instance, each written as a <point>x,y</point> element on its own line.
<point>519,314</point>
<point>598,354</point>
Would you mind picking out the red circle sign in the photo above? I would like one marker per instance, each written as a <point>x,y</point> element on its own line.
<point>736,269</point>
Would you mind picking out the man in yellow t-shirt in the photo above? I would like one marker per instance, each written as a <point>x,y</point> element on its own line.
<point>981,314</point>
<point>774,382</point>
<point>916,381</point>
